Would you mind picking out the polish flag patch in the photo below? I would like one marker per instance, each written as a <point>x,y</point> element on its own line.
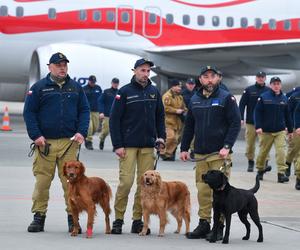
<point>118,97</point>
<point>29,92</point>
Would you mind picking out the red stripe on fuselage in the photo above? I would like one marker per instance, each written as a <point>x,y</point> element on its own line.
<point>171,35</point>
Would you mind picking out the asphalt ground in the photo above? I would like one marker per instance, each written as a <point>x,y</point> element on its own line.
<point>279,204</point>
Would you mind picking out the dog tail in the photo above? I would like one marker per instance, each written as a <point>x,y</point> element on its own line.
<point>257,185</point>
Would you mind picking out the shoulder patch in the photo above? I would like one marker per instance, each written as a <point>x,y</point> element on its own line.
<point>167,100</point>
<point>29,92</point>
<point>233,98</point>
<point>258,99</point>
<point>118,97</point>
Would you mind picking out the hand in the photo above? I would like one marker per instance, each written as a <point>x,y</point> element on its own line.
<point>179,111</point>
<point>297,131</point>
<point>290,136</point>
<point>184,155</point>
<point>120,152</point>
<point>41,141</point>
<point>160,144</point>
<point>224,152</point>
<point>259,131</point>
<point>78,138</point>
<point>101,116</point>
<point>242,122</point>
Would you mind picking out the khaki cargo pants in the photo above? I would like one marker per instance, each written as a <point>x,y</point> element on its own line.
<point>93,125</point>
<point>44,170</point>
<point>296,148</point>
<point>265,143</point>
<point>293,151</point>
<point>105,129</point>
<point>136,160</point>
<point>204,191</point>
<point>172,141</point>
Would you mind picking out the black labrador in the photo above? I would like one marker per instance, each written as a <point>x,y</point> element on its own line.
<point>228,200</point>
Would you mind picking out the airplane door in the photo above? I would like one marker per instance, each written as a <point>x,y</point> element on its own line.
<point>125,20</point>
<point>152,22</point>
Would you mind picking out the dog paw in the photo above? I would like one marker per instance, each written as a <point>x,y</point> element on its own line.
<point>74,234</point>
<point>260,240</point>
<point>142,233</point>
<point>225,241</point>
<point>176,232</point>
<point>245,238</point>
<point>89,233</point>
<point>160,235</point>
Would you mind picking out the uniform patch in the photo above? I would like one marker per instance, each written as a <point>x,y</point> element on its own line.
<point>118,97</point>
<point>130,97</point>
<point>167,100</point>
<point>233,98</point>
<point>29,92</point>
<point>215,102</point>
<point>152,96</point>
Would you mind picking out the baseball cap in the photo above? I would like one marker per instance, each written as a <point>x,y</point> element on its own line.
<point>143,61</point>
<point>207,68</point>
<point>261,73</point>
<point>115,80</point>
<point>57,58</point>
<point>174,82</point>
<point>92,78</point>
<point>275,79</point>
<point>190,81</point>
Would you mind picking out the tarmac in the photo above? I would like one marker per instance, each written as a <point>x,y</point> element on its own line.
<point>279,204</point>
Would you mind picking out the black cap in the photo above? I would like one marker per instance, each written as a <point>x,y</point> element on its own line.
<point>143,61</point>
<point>57,58</point>
<point>190,81</point>
<point>115,80</point>
<point>219,72</point>
<point>92,78</point>
<point>207,68</point>
<point>275,79</point>
<point>261,74</point>
<point>174,82</point>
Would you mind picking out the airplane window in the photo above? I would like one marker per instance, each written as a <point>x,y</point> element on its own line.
<point>97,15</point>
<point>52,13</point>
<point>257,23</point>
<point>125,17</point>
<point>169,19</point>
<point>152,18</point>
<point>201,20</point>
<point>186,19</point>
<point>229,21</point>
<point>287,25</point>
<point>244,22</point>
<point>82,15</point>
<point>215,21</point>
<point>110,16</point>
<point>272,24</point>
<point>19,11</point>
<point>3,10</point>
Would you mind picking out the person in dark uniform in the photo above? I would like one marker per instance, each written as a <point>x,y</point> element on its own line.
<point>56,114</point>
<point>214,119</point>
<point>188,91</point>
<point>248,102</point>
<point>106,101</point>
<point>297,144</point>
<point>137,123</point>
<point>271,118</point>
<point>93,93</point>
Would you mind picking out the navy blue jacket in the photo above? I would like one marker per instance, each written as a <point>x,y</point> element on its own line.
<point>55,112</point>
<point>249,99</point>
<point>215,121</point>
<point>137,116</point>
<point>288,94</point>
<point>271,113</point>
<point>93,94</point>
<point>294,105</point>
<point>187,95</point>
<point>106,100</point>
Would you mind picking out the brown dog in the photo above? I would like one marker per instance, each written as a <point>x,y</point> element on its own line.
<point>158,197</point>
<point>84,193</point>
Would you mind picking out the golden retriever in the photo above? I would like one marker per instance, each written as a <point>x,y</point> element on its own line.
<point>158,197</point>
<point>83,195</point>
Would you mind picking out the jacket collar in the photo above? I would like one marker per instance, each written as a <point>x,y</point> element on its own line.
<point>50,82</point>
<point>136,84</point>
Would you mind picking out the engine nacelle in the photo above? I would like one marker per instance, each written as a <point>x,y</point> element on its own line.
<point>85,60</point>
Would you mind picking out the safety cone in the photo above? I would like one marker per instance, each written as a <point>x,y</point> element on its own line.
<point>5,120</point>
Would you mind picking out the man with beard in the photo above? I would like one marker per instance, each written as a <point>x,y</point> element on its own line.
<point>214,119</point>
<point>137,124</point>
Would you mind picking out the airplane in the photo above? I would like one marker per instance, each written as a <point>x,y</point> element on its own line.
<point>104,38</point>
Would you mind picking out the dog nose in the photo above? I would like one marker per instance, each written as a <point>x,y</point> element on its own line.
<point>147,179</point>
<point>71,174</point>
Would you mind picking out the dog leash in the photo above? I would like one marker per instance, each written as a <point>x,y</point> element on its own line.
<point>227,163</point>
<point>157,146</point>
<point>204,158</point>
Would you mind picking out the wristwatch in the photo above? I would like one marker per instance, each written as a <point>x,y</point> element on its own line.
<point>226,146</point>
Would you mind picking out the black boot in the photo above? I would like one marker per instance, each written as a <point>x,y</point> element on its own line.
<point>37,225</point>
<point>200,231</point>
<point>297,186</point>
<point>268,167</point>
<point>137,226</point>
<point>282,178</point>
<point>88,145</point>
<point>219,233</point>
<point>288,170</point>
<point>101,145</point>
<point>71,224</point>
<point>117,226</point>
<point>250,166</point>
<point>260,174</point>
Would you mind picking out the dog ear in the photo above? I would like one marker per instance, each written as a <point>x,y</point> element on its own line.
<point>65,169</point>
<point>158,178</point>
<point>224,179</point>
<point>142,179</point>
<point>82,169</point>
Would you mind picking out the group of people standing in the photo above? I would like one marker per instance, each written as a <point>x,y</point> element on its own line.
<point>140,120</point>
